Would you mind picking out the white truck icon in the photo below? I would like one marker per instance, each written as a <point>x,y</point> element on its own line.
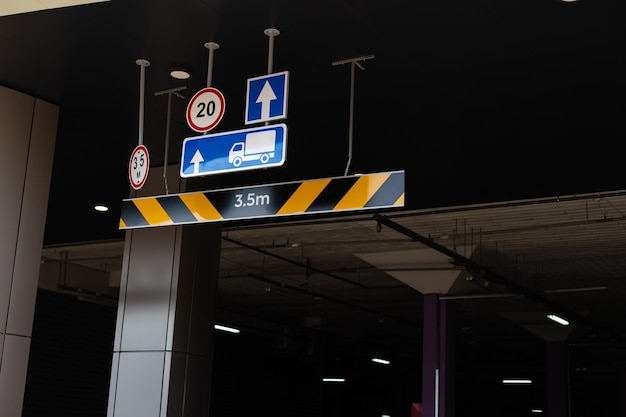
<point>257,145</point>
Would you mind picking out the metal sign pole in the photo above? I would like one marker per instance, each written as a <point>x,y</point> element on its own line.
<point>271,33</point>
<point>169,92</point>
<point>143,63</point>
<point>354,62</point>
<point>211,46</point>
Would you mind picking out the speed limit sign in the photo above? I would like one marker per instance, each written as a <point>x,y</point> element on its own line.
<point>205,109</point>
<point>138,166</point>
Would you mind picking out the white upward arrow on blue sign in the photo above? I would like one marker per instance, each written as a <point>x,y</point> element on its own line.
<point>266,98</point>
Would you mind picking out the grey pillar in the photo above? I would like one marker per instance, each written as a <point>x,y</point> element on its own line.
<point>438,364</point>
<point>163,351</point>
<point>27,134</point>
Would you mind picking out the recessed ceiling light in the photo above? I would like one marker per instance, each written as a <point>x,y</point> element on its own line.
<point>101,208</point>
<point>180,73</point>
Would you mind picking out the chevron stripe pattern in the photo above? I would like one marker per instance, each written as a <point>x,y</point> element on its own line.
<point>348,193</point>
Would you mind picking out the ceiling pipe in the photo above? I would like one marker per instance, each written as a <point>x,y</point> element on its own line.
<point>332,299</point>
<point>306,266</point>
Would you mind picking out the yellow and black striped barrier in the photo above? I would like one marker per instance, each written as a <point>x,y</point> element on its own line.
<point>355,192</point>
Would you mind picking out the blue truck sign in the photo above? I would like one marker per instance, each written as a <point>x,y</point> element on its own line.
<point>244,149</point>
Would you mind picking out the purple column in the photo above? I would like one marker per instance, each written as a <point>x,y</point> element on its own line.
<point>447,353</point>
<point>622,393</point>
<point>558,398</point>
<point>438,364</point>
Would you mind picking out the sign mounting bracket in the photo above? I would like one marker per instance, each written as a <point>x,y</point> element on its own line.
<point>354,62</point>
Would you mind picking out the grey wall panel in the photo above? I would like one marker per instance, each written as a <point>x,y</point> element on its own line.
<point>139,384</point>
<point>190,385</point>
<point>199,265</point>
<point>149,289</point>
<point>16,111</point>
<point>115,366</point>
<point>27,135</point>
<point>13,374</point>
<point>33,218</point>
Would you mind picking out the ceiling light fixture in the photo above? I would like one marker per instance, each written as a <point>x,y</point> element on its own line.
<point>333,379</point>
<point>101,208</point>
<point>582,289</point>
<point>180,73</point>
<point>517,381</point>
<point>226,329</point>
<point>558,319</point>
<point>381,361</point>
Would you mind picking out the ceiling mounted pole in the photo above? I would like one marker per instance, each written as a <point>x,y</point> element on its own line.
<point>354,62</point>
<point>271,33</point>
<point>170,92</point>
<point>211,46</point>
<point>143,63</point>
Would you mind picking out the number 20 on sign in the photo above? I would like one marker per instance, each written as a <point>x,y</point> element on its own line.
<point>205,109</point>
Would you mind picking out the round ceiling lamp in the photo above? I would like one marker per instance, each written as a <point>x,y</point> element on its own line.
<point>180,73</point>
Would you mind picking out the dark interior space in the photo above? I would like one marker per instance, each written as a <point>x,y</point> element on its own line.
<point>506,117</point>
<point>70,365</point>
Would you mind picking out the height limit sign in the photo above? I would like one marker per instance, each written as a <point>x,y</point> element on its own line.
<point>138,167</point>
<point>205,109</point>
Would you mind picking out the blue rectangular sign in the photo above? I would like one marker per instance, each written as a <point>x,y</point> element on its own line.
<point>237,150</point>
<point>266,98</point>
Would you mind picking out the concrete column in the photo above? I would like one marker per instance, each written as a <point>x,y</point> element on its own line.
<point>438,364</point>
<point>28,129</point>
<point>163,349</point>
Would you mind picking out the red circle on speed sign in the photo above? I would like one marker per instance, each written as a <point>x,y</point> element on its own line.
<point>205,109</point>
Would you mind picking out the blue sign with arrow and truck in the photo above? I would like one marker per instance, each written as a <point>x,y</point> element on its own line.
<point>237,150</point>
<point>266,98</point>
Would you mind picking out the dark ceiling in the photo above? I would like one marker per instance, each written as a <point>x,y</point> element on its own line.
<point>477,101</point>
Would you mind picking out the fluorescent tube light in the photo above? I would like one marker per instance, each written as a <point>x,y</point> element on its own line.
<point>517,381</point>
<point>381,361</point>
<point>536,411</point>
<point>226,328</point>
<point>558,319</point>
<point>101,208</point>
<point>333,379</point>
